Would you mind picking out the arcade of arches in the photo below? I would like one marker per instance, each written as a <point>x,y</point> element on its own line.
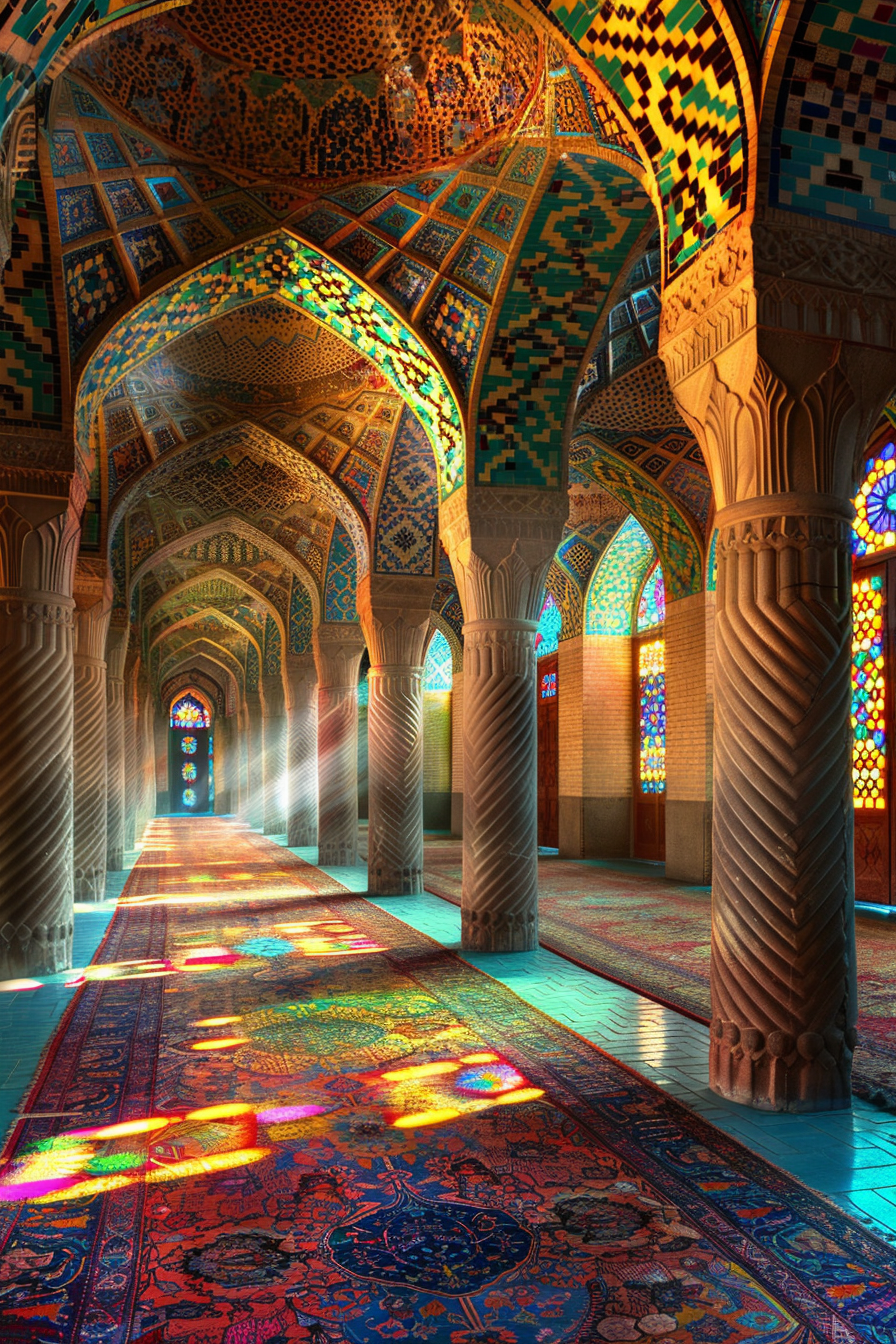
<point>462,417</point>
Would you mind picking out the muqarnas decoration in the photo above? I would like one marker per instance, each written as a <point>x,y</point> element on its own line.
<point>456,321</point>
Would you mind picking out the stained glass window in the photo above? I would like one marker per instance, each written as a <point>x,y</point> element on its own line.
<point>363,692</point>
<point>188,771</point>
<point>437,670</point>
<point>550,622</point>
<point>189,713</point>
<point>612,593</point>
<point>652,606</point>
<point>868,693</point>
<point>189,797</point>
<point>188,746</point>
<point>547,687</point>
<point>874,528</point>
<point>652,716</point>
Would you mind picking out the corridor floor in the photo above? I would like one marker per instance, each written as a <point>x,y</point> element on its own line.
<point>276,1112</point>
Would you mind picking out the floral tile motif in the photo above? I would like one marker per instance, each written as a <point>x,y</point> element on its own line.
<point>149,251</point>
<point>144,151</point>
<point>241,215</point>
<point>396,220</point>
<point>65,154</point>
<point>126,199</point>
<point>168,192</point>
<point>527,165</point>
<point>435,240</point>
<point>94,285</point>
<point>105,150</point>
<point>464,201</point>
<point>456,321</point>
<point>321,225</point>
<point>361,249</point>
<point>85,103</point>
<point>479,266</point>
<point>407,281</point>
<point>194,232</point>
<point>79,211</point>
<point>359,478</point>
<point>408,508</point>
<point>428,186</point>
<point>502,215</point>
<point>208,184</point>
<point>360,198</point>
<point>124,460</point>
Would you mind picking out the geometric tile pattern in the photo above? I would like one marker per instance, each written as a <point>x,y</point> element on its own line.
<point>835,132</point>
<point>408,509</point>
<point>31,389</point>
<point>273,648</point>
<point>340,588</point>
<point>301,618</point>
<point>297,274</point>
<point>94,286</point>
<point>678,79</point>
<point>456,322</point>
<point>578,239</point>
<point>79,212</point>
<point>612,594</point>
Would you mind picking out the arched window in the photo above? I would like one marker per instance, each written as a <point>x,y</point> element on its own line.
<point>190,753</point>
<point>871,708</point>
<point>438,669</point>
<point>651,689</point>
<point>550,623</point>
<point>652,602</point>
<point>438,679</point>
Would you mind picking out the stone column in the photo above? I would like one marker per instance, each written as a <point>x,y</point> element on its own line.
<point>395,616</point>
<point>89,815</point>
<point>131,762</point>
<point>255,750</point>
<point>276,729</point>
<point>146,785</point>
<point>225,773</point>
<point>116,652</point>
<point>160,757</point>
<point>501,544</point>
<point>457,753</point>
<point>38,546</point>
<point>301,676</point>
<point>338,646</point>
<point>783,413</point>
<point>243,759</point>
<point>688,632</point>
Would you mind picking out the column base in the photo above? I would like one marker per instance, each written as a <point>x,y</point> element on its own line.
<point>275,826</point>
<point>406,882</point>
<point>90,886</point>
<point>780,1074</point>
<point>489,931</point>
<point>301,836</point>
<point>43,950</point>
<point>337,856</point>
<point>115,861</point>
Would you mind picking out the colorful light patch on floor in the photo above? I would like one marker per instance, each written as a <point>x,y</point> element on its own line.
<point>389,1146</point>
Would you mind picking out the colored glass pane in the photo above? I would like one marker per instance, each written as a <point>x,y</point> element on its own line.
<point>189,797</point>
<point>652,716</point>
<point>437,670</point>
<point>550,622</point>
<point>547,688</point>
<point>652,606</point>
<point>363,692</point>
<point>874,528</point>
<point>868,693</point>
<point>188,746</point>
<point>610,605</point>
<point>189,713</point>
<point>188,771</point>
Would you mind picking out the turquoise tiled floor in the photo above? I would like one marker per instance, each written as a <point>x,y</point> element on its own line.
<point>848,1155</point>
<point>29,1018</point>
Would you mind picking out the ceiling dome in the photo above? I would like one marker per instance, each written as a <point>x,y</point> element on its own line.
<point>328,91</point>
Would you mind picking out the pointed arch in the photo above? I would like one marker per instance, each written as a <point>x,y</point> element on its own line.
<point>617,581</point>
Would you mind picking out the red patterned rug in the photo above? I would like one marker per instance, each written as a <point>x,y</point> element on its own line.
<point>653,936</point>
<point>274,1114</point>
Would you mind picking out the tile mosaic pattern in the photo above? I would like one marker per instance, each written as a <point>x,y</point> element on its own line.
<point>298,275</point>
<point>31,388</point>
<point>273,647</point>
<point>679,81</point>
<point>301,618</point>
<point>168,192</point>
<point>320,225</point>
<point>407,514</point>
<point>359,478</point>
<point>65,154</point>
<point>502,215</point>
<point>94,287</point>
<point>611,599</point>
<point>428,186</point>
<point>834,140</point>
<point>341,585</point>
<point>575,245</point>
<point>105,150</point>
<point>149,252</point>
<point>396,220</point>
<point>479,266</point>
<point>463,201</point>
<point>80,213</point>
<point>126,199</point>
<point>406,282</point>
<point>361,249</point>
<point>456,322</point>
<point>435,240</point>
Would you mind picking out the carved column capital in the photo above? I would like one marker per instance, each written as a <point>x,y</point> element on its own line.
<point>395,612</point>
<point>338,646</point>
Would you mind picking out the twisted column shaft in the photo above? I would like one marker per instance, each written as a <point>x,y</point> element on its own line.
<point>115,773</point>
<point>36,728</point>
<point>783,956</point>
<point>255,775</point>
<point>302,759</point>
<point>395,780</point>
<point>338,648</point>
<point>131,764</point>
<point>500,882</point>
<point>276,731</point>
<point>89,778</point>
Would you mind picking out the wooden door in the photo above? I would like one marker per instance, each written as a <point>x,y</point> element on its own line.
<point>548,754</point>
<point>649,724</point>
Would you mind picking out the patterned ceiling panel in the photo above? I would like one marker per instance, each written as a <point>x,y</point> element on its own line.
<point>834,138</point>
<point>319,91</point>
<point>407,516</point>
<point>680,76</point>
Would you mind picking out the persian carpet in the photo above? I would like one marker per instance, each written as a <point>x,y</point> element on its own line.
<point>653,936</point>
<point>275,1113</point>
